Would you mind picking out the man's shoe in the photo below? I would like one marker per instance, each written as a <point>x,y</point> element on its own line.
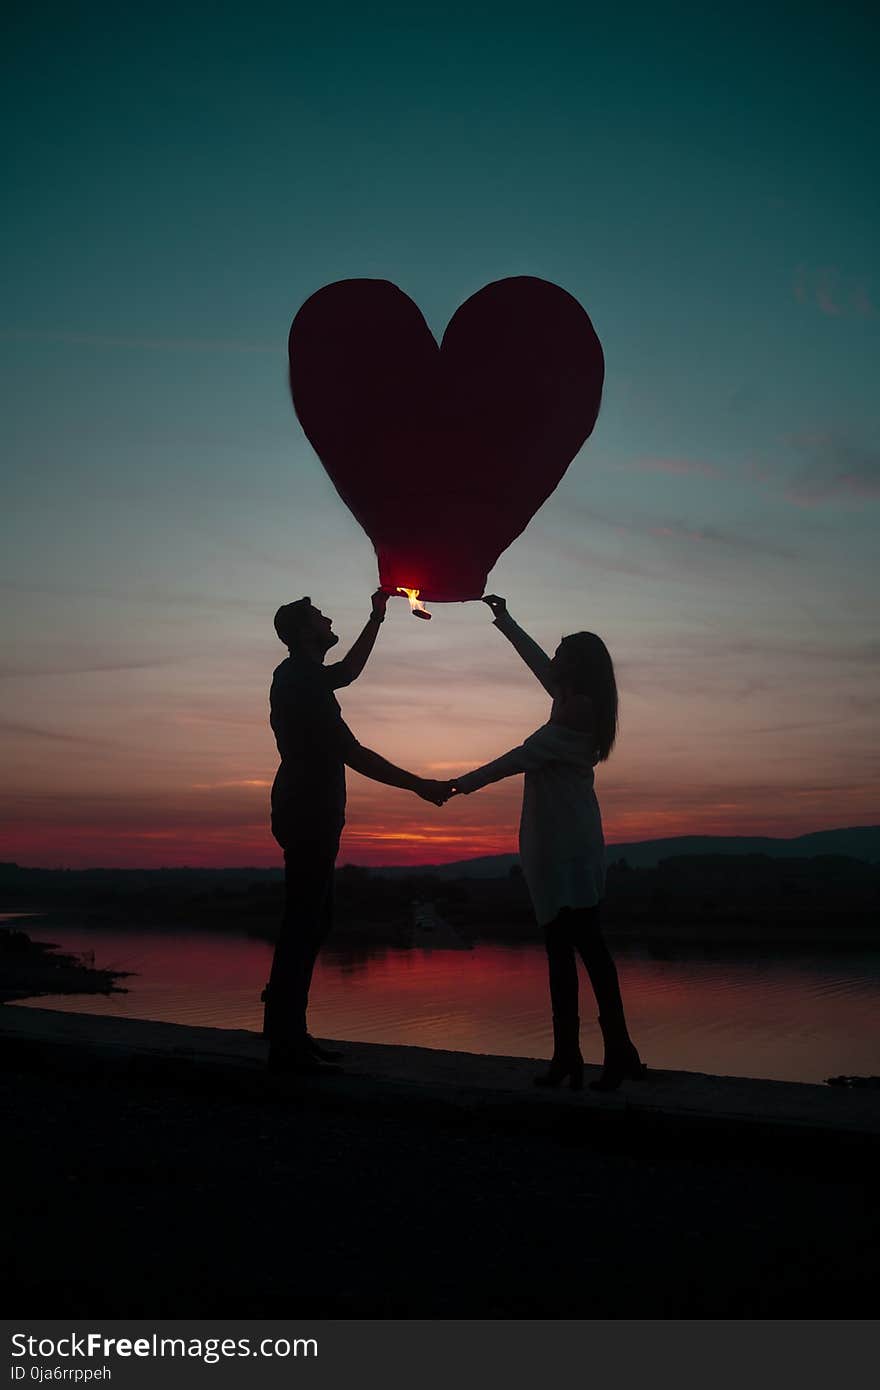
<point>323,1054</point>
<point>297,1059</point>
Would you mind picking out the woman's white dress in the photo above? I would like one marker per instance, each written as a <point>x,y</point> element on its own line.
<point>562,849</point>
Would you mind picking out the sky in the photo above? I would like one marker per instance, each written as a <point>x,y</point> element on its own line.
<point>179,180</point>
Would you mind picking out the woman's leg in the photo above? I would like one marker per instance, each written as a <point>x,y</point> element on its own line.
<point>589,939</point>
<point>561,967</point>
<point>562,972</point>
<point>621,1058</point>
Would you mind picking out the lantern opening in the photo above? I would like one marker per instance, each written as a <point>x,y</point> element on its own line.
<point>418,609</point>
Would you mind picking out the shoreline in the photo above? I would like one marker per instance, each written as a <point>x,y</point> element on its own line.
<point>32,969</point>
<point>398,1073</point>
<point>352,932</point>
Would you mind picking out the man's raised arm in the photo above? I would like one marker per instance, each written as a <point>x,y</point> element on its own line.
<point>349,668</point>
<point>537,660</point>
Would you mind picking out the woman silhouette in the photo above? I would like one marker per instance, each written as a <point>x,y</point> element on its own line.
<point>562,850</point>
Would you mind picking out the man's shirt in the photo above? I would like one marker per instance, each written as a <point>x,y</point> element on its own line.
<point>313,740</point>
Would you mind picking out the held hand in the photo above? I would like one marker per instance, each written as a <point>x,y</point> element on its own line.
<point>449,789</point>
<point>429,790</point>
<point>380,602</point>
<point>497,604</point>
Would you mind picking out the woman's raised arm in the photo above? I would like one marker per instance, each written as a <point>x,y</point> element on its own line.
<point>537,660</point>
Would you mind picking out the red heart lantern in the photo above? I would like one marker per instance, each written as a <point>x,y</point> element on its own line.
<point>444,453</point>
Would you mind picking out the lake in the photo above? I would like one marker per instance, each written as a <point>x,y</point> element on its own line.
<point>793,1017</point>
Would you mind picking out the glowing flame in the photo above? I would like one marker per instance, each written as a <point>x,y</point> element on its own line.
<point>419,609</point>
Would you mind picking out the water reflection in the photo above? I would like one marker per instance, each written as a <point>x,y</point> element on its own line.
<point>699,1008</point>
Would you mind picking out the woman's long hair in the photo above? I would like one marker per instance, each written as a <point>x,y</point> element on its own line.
<point>590,671</point>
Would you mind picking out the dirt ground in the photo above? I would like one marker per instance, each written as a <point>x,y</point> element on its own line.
<point>141,1197</point>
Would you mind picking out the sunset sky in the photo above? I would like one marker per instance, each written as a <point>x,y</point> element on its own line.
<point>179,181</point>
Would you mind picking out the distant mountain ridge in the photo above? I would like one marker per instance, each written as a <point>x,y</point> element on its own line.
<point>825,882</point>
<point>854,842</point>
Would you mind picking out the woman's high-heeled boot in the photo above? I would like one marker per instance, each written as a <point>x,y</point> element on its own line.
<point>622,1061</point>
<point>567,1060</point>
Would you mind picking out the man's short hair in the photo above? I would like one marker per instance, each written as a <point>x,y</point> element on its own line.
<point>291,620</point>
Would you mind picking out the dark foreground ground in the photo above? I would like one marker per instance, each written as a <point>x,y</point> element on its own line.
<point>142,1195</point>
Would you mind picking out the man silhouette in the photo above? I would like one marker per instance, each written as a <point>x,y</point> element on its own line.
<point>308,810</point>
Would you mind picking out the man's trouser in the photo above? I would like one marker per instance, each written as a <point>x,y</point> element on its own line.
<point>309,858</point>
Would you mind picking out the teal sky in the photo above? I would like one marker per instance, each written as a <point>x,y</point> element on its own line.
<point>179,180</point>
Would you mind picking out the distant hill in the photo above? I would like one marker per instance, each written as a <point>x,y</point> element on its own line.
<point>707,884</point>
<point>487,866</point>
<point>856,842</point>
<point>18,884</point>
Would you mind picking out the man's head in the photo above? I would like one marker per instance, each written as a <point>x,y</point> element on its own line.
<point>303,628</point>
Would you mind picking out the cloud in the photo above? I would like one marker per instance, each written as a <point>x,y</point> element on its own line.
<point>80,339</point>
<point>834,470</point>
<point>9,726</point>
<point>240,782</point>
<point>181,598</point>
<point>714,647</point>
<point>679,531</point>
<point>832,292</point>
<point>15,672</point>
<point>677,467</point>
<point>151,595</point>
<point>715,535</point>
<point>754,673</point>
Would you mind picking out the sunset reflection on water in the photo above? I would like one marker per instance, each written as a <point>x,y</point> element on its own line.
<point>790,1017</point>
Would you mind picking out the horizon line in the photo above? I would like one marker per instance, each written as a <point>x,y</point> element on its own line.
<point>433,864</point>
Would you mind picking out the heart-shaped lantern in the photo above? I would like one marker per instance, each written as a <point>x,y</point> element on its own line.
<point>444,453</point>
